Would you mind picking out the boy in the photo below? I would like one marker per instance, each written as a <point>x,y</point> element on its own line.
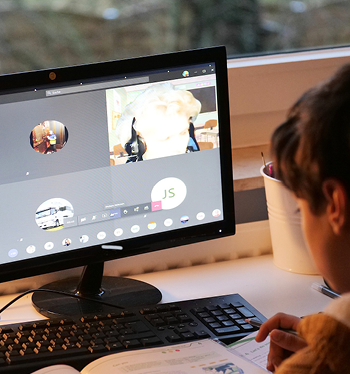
<point>311,156</point>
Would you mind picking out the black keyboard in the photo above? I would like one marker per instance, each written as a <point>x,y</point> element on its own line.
<point>77,341</point>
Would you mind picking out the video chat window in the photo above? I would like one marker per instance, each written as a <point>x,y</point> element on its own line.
<point>160,120</point>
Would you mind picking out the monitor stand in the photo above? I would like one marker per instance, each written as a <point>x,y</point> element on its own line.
<point>118,291</point>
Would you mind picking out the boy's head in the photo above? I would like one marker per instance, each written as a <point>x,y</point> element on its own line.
<point>313,144</point>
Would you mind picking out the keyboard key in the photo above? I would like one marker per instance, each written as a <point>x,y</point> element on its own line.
<point>97,348</point>
<point>184,318</point>
<point>157,322</point>
<point>188,336</point>
<point>181,330</point>
<point>214,325</point>
<point>216,313</point>
<point>171,320</point>
<point>228,323</point>
<point>174,307</point>
<point>114,346</point>
<point>247,327</point>
<point>146,311</point>
<point>201,334</point>
<point>211,307</point>
<point>162,308</point>
<point>222,318</point>
<point>148,342</point>
<point>203,314</point>
<point>224,306</point>
<point>229,311</point>
<point>137,326</point>
<point>131,343</point>
<point>236,304</point>
<point>227,330</point>
<point>6,330</point>
<point>173,338</point>
<point>143,335</point>
<point>197,310</point>
<point>234,316</point>
<point>240,321</point>
<point>246,312</point>
<point>127,313</point>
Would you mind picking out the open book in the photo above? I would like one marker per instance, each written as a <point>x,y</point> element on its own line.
<point>204,356</point>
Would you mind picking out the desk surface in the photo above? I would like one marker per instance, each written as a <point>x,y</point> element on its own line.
<point>268,288</point>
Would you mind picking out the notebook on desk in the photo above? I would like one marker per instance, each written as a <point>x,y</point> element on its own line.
<point>204,356</point>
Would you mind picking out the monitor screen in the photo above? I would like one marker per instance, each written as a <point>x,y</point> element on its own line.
<point>113,159</point>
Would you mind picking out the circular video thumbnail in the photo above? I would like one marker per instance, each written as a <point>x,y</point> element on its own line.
<point>49,137</point>
<point>51,214</point>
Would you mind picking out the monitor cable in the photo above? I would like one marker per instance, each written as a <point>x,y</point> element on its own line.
<point>56,292</point>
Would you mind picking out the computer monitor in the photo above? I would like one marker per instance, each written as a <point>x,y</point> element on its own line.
<point>109,160</point>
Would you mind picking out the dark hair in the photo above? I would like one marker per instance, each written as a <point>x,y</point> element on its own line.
<point>313,144</point>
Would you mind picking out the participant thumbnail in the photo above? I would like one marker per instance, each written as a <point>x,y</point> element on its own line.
<point>48,137</point>
<point>51,214</point>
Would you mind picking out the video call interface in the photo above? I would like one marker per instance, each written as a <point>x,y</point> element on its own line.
<point>94,163</point>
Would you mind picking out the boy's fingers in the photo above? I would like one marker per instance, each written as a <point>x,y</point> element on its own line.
<point>287,341</point>
<point>279,320</point>
<point>275,357</point>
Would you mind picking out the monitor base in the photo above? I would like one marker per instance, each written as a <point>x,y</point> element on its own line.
<point>119,291</point>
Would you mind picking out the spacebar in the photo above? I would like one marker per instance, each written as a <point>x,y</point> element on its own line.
<point>59,354</point>
<point>226,330</point>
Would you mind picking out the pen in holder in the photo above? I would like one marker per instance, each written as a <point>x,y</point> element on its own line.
<point>288,246</point>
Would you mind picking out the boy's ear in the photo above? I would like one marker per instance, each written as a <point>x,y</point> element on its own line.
<point>337,205</point>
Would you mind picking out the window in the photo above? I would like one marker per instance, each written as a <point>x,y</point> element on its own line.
<point>37,34</point>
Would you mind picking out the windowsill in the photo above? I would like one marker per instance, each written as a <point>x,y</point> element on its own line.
<point>296,56</point>
<point>263,88</point>
<point>247,162</point>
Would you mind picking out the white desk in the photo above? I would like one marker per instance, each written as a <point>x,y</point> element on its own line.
<point>268,288</point>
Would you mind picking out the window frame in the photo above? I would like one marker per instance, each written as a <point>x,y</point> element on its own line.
<point>263,88</point>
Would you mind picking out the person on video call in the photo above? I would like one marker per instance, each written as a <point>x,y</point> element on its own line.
<point>158,123</point>
<point>311,156</point>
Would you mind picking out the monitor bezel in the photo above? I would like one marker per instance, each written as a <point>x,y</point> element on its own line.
<point>67,75</point>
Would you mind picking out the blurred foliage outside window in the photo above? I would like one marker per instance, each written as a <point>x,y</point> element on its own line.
<point>36,34</point>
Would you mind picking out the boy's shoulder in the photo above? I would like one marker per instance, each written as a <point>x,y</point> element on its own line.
<point>340,309</point>
<point>327,335</point>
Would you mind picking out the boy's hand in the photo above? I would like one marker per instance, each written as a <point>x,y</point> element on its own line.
<point>282,344</point>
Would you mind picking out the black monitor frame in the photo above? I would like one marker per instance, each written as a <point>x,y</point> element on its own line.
<point>51,78</point>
